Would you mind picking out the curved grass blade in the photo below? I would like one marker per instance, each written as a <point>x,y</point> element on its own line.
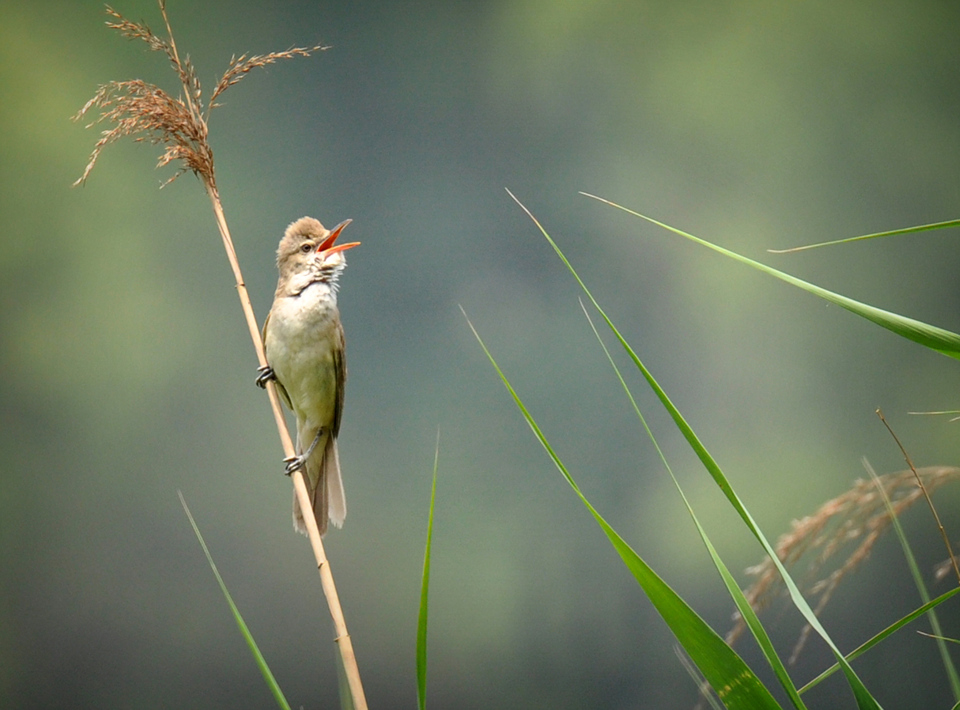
<point>424,593</point>
<point>939,638</point>
<point>865,701</point>
<point>248,637</point>
<point>948,665</point>
<point>731,678</point>
<point>743,606</point>
<point>890,630</point>
<point>930,336</point>
<point>877,235</point>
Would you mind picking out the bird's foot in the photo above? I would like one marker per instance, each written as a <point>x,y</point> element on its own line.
<point>294,463</point>
<point>264,375</point>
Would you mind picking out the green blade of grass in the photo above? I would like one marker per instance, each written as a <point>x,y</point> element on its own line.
<point>244,631</point>
<point>893,628</point>
<point>930,336</point>
<point>948,666</point>
<point>424,593</point>
<point>743,606</point>
<point>940,414</point>
<point>877,235</point>
<point>945,639</point>
<point>865,701</point>
<point>731,678</point>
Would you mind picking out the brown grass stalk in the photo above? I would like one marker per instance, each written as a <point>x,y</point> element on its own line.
<point>145,112</point>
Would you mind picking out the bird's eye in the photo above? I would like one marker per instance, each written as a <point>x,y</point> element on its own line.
<point>306,247</point>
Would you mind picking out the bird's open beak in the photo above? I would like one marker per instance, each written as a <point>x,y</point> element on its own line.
<point>327,246</point>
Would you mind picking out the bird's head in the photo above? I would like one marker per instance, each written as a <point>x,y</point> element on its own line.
<point>308,250</point>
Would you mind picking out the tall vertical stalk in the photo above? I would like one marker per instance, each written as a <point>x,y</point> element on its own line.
<point>136,108</point>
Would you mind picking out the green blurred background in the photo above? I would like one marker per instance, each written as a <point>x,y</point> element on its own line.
<point>128,372</point>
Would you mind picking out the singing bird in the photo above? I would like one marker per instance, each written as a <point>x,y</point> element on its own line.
<point>304,345</point>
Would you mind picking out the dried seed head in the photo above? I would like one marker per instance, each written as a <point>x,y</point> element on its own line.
<point>145,112</point>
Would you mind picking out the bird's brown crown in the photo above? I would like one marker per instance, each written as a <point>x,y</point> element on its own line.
<point>305,229</point>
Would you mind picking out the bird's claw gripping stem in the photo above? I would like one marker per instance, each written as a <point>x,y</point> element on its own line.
<point>294,463</point>
<point>264,375</point>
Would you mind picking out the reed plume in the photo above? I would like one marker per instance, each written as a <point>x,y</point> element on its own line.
<point>147,113</point>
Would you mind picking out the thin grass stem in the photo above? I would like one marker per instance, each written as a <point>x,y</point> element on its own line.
<point>926,495</point>
<point>914,568</point>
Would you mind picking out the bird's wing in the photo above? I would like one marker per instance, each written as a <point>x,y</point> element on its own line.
<point>340,367</point>
<point>280,388</point>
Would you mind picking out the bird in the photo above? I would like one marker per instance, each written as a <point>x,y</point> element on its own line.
<point>304,347</point>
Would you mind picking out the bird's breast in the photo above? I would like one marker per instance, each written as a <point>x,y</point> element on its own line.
<point>303,343</point>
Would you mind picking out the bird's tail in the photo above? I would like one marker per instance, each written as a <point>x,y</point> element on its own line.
<point>322,476</point>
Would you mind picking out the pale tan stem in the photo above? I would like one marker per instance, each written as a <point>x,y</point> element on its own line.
<point>306,506</point>
<point>176,58</point>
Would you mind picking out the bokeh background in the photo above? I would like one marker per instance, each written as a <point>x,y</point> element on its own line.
<point>127,371</point>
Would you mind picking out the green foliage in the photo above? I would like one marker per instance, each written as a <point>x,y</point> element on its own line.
<point>889,631</point>
<point>731,678</point>
<point>743,606</point>
<point>863,237</point>
<point>863,697</point>
<point>244,631</point>
<point>424,593</point>
<point>930,336</point>
<point>948,664</point>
